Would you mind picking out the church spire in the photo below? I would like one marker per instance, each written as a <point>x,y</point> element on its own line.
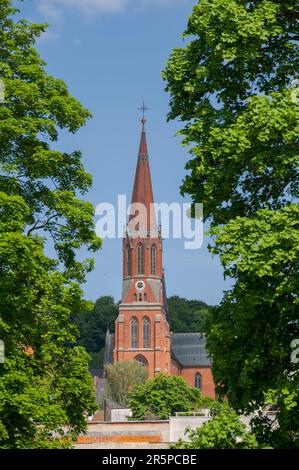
<point>142,190</point>
<point>143,144</point>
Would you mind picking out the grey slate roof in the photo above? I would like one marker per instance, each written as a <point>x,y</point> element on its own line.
<point>189,349</point>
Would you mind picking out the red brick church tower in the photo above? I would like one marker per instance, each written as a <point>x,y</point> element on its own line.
<point>142,329</point>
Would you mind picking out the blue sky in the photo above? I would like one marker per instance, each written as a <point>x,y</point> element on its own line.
<point>111,53</point>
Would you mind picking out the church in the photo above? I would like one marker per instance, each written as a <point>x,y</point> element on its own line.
<point>142,331</point>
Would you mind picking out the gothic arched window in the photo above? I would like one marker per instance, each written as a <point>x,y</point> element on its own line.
<point>146,333</point>
<point>134,332</point>
<point>153,260</point>
<point>140,258</point>
<point>197,380</point>
<point>141,359</point>
<point>129,261</point>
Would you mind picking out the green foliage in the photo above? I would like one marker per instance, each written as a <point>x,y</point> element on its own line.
<point>223,431</point>
<point>163,396</point>
<point>45,388</point>
<point>36,106</point>
<point>44,383</point>
<point>284,398</point>
<point>231,85</point>
<point>263,258</point>
<point>187,316</point>
<point>93,325</point>
<point>97,359</point>
<point>122,377</point>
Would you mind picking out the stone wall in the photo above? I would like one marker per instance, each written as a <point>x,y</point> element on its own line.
<point>143,434</point>
<point>147,434</point>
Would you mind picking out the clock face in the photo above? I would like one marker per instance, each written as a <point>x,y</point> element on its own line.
<point>140,285</point>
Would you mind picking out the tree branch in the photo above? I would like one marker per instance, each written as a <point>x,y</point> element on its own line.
<point>43,225</point>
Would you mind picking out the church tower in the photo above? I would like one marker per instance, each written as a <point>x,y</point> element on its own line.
<point>141,328</point>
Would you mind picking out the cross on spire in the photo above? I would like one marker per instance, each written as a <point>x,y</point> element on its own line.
<point>143,109</point>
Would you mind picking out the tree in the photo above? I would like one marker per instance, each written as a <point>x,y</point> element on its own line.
<point>224,431</point>
<point>163,396</point>
<point>45,388</point>
<point>122,377</point>
<point>233,87</point>
<point>93,325</point>
<point>97,359</point>
<point>250,335</point>
<point>187,316</point>
<point>36,106</point>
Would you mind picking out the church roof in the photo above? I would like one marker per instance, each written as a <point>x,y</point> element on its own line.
<point>189,349</point>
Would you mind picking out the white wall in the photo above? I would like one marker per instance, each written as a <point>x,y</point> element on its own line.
<point>179,424</point>
<point>120,415</point>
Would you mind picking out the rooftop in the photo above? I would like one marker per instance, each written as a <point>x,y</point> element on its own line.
<point>189,349</point>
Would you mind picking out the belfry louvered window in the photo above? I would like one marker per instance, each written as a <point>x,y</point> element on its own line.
<point>146,332</point>
<point>140,259</point>
<point>134,333</point>
<point>153,260</point>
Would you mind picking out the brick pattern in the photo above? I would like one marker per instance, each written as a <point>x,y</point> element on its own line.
<point>207,382</point>
<point>157,355</point>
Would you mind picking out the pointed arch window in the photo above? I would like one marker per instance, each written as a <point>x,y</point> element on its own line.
<point>140,258</point>
<point>142,360</point>
<point>134,333</point>
<point>197,380</point>
<point>153,260</point>
<point>129,261</point>
<point>146,332</point>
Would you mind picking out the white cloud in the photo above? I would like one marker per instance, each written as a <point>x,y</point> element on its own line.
<point>50,11</point>
<point>53,9</point>
<point>160,2</point>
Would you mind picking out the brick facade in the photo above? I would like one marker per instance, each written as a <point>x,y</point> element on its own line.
<point>207,383</point>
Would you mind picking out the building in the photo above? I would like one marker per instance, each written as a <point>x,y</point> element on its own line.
<point>142,331</point>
